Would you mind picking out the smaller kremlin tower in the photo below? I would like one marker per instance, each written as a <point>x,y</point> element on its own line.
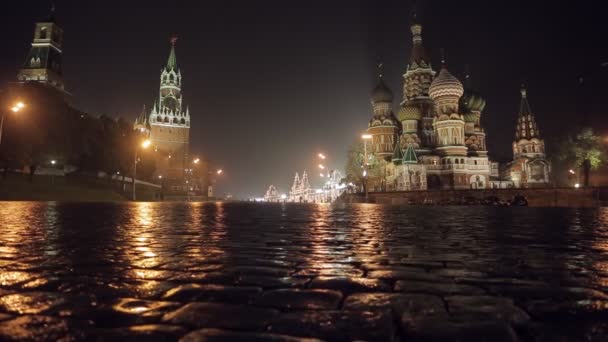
<point>43,63</point>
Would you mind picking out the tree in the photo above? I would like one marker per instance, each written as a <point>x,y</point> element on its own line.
<point>585,150</point>
<point>354,164</point>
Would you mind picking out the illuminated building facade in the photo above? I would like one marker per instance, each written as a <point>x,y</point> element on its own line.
<point>438,129</point>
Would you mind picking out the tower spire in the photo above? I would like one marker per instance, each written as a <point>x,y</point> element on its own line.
<point>172,61</point>
<point>526,123</point>
<point>51,17</point>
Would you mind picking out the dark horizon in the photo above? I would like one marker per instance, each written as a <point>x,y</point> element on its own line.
<point>270,86</point>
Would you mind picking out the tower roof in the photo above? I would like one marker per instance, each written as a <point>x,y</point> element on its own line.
<point>471,101</point>
<point>397,153</point>
<point>142,120</point>
<point>410,155</point>
<point>172,61</point>
<point>382,93</point>
<point>526,123</point>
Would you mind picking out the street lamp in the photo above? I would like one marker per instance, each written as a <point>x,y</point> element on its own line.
<point>17,107</point>
<point>365,138</point>
<point>145,144</point>
<point>322,156</point>
<point>220,171</point>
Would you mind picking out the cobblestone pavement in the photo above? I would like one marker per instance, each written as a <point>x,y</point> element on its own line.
<point>215,272</point>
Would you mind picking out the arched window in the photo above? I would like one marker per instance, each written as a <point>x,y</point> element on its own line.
<point>456,161</point>
<point>461,160</point>
<point>166,119</point>
<point>183,122</point>
<point>175,120</point>
<point>171,77</point>
<point>43,33</point>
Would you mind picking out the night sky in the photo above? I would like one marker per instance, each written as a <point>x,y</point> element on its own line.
<point>271,83</point>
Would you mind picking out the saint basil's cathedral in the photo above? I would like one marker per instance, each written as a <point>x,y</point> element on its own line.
<point>437,141</point>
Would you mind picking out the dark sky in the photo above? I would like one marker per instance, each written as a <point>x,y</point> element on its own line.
<point>271,83</point>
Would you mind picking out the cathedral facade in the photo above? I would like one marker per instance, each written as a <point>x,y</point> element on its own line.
<point>436,140</point>
<point>167,124</point>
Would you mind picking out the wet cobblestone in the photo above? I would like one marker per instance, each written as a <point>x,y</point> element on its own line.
<point>229,272</point>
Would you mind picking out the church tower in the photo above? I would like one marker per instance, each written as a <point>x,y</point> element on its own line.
<point>383,126</point>
<point>43,62</point>
<point>417,111</point>
<point>169,123</point>
<point>529,168</point>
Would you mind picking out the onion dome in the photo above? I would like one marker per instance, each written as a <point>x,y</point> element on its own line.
<point>470,117</point>
<point>382,120</point>
<point>445,84</point>
<point>472,102</point>
<point>382,93</point>
<point>409,112</point>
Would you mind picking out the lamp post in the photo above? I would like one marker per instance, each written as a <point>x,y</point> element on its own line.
<point>145,144</point>
<point>365,138</point>
<point>17,107</point>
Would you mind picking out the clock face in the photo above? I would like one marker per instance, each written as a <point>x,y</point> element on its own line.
<point>170,103</point>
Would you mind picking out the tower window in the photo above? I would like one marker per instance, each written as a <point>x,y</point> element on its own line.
<point>43,33</point>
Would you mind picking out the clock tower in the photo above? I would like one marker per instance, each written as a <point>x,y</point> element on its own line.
<point>168,123</point>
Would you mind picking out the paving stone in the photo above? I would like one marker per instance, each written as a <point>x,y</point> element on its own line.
<point>144,308</point>
<point>327,272</point>
<point>404,275</point>
<point>32,302</point>
<point>151,332</point>
<point>225,335</point>
<point>269,282</point>
<point>222,278</point>
<point>147,274</point>
<point>444,288</point>
<point>336,325</point>
<point>569,309</point>
<point>405,306</point>
<point>433,329</point>
<point>212,293</point>
<point>545,291</point>
<point>487,307</point>
<point>300,299</point>
<point>39,328</point>
<point>11,278</point>
<point>349,285</point>
<point>260,270</point>
<point>148,289</point>
<point>458,273</point>
<point>223,316</point>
